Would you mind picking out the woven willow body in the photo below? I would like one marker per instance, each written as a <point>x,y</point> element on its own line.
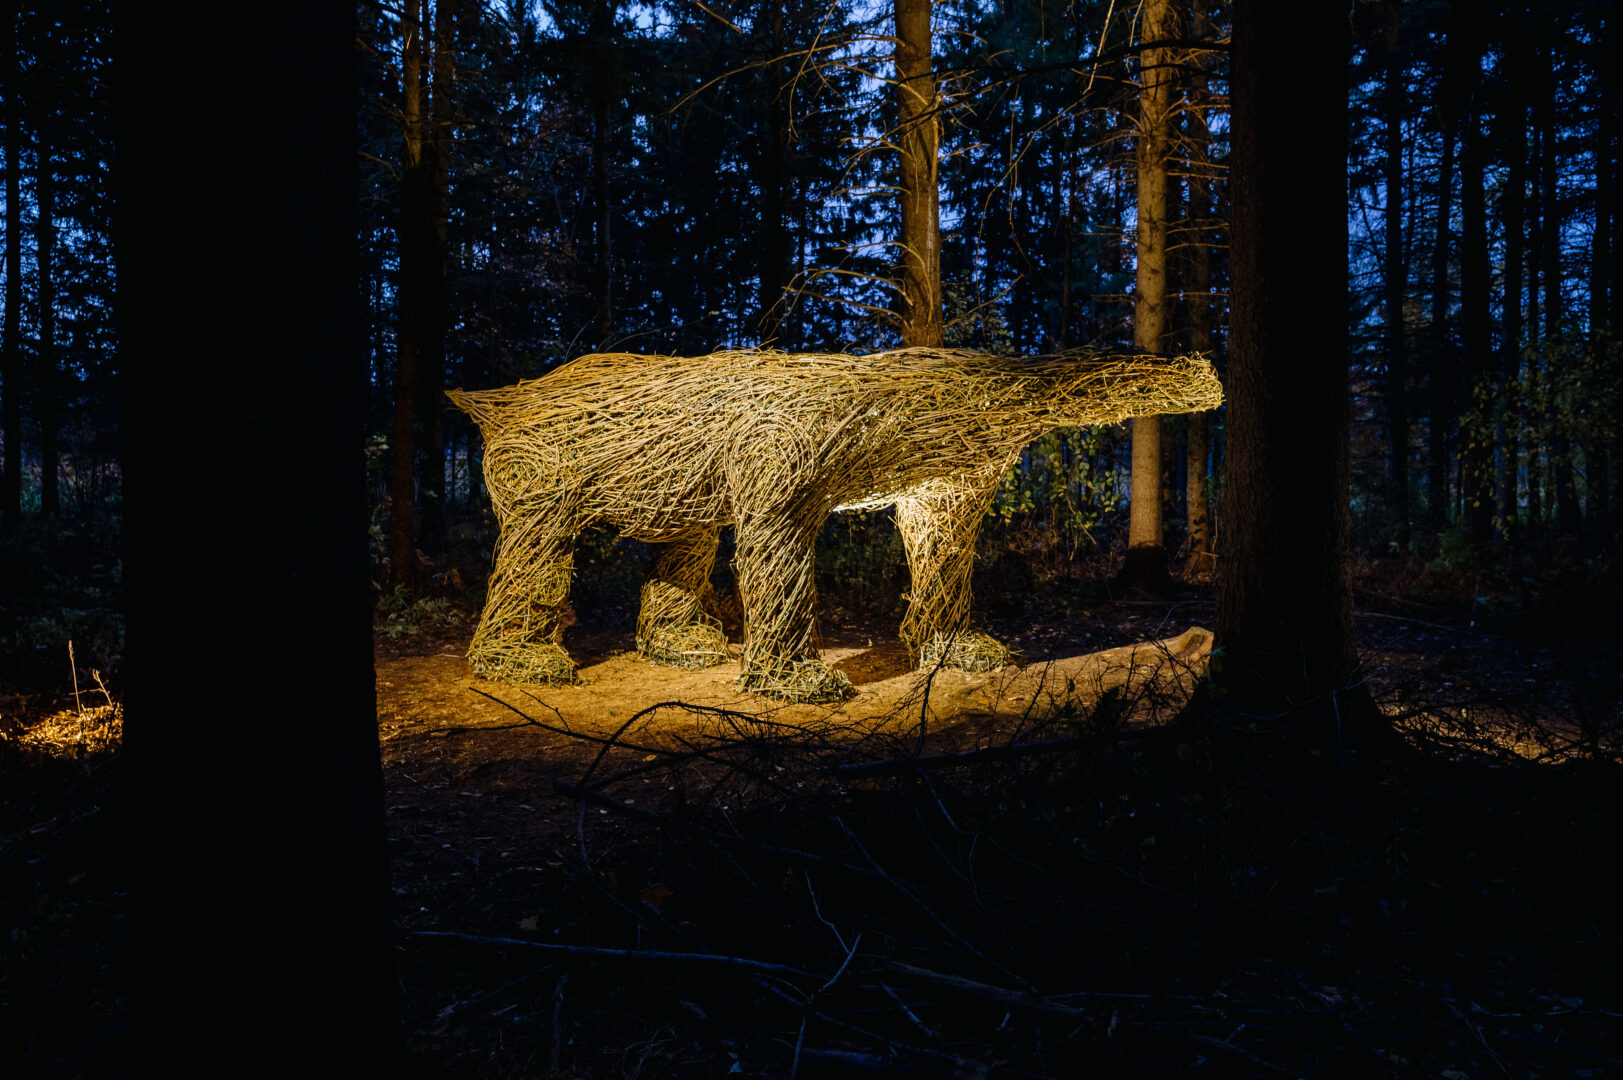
<point>670,449</point>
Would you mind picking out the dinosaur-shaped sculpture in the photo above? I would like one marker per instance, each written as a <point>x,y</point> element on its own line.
<point>669,449</point>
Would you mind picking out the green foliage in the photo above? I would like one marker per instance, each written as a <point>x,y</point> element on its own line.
<point>59,583</point>
<point>972,321</point>
<point>401,616</point>
<point>1460,556</point>
<point>861,564</point>
<point>1064,480</point>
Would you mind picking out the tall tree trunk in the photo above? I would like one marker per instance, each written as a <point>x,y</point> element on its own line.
<point>604,78</point>
<point>1613,103</point>
<point>1069,166</point>
<point>918,141</point>
<point>1565,495</point>
<point>1109,205</point>
<point>289,839</point>
<point>1476,489</point>
<point>11,372</point>
<point>50,465</point>
<point>1533,379</point>
<point>1599,448</point>
<point>416,211</point>
<point>1172,446</point>
<point>1146,564</point>
<point>771,173</point>
<point>1197,500</point>
<point>1284,601</point>
<point>1394,288</point>
<point>1440,356</point>
<point>1550,237</point>
<point>432,293</point>
<point>1600,255</point>
<point>1512,406</point>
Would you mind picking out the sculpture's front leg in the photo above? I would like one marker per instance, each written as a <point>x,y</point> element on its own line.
<point>674,625</point>
<point>519,635</point>
<point>775,559</point>
<point>939,522</point>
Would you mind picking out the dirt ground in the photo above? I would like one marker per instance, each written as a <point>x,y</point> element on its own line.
<point>484,843</point>
<point>487,837</point>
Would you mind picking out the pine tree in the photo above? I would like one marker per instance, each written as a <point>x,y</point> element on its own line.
<point>1284,618</point>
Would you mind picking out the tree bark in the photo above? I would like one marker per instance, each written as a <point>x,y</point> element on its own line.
<point>1284,615</point>
<point>1599,448</point>
<point>771,177</point>
<point>1146,564</point>
<point>600,46</point>
<point>1476,491</point>
<point>415,211</point>
<point>1600,256</point>
<point>432,293</point>
<point>259,900</point>
<point>1440,358</point>
<point>50,464</point>
<point>1196,491</point>
<point>11,372</point>
<point>1533,381</point>
<point>1512,203</point>
<point>1394,288</point>
<point>1564,497</point>
<point>918,142</point>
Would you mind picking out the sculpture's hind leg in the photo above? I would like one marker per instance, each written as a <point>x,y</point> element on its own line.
<point>676,624</point>
<point>519,637</point>
<point>939,522</point>
<point>775,562</point>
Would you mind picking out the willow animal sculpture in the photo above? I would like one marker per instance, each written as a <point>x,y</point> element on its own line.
<point>670,449</point>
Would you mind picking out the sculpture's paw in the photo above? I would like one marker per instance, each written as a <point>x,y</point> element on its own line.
<point>692,645</point>
<point>803,682</point>
<point>968,651</point>
<point>549,665</point>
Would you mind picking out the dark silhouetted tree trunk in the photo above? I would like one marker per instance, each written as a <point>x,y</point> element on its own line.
<point>1476,491</point>
<point>432,297</point>
<point>1564,500</point>
<point>604,78</point>
<point>1284,617</point>
<point>1439,357</point>
<point>772,177</point>
<point>1613,103</point>
<point>1109,205</point>
<point>11,372</point>
<point>1197,499</point>
<point>1441,360</point>
<point>1534,451</point>
<point>1598,452</point>
<point>1146,564</point>
<point>416,212</point>
<point>50,456</point>
<point>259,904</point>
<point>919,145</point>
<point>1395,272</point>
<point>1512,204</point>
<point>1600,256</point>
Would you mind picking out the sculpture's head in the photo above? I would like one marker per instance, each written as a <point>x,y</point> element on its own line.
<point>1086,388</point>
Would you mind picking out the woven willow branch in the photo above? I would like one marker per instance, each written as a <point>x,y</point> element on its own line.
<point>669,449</point>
